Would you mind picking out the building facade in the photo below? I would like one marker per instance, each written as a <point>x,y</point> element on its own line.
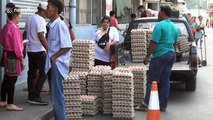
<point>85,15</point>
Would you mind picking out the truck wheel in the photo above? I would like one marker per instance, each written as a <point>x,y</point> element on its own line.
<point>191,84</point>
<point>204,63</point>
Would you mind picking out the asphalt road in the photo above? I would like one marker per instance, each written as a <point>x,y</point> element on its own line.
<point>185,105</point>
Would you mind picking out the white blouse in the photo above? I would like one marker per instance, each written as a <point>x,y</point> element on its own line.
<point>101,54</point>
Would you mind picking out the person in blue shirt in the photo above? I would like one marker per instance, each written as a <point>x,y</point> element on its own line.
<point>162,51</point>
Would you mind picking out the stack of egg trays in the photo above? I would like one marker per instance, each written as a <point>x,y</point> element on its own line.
<point>83,55</point>
<point>83,81</point>
<point>107,91</point>
<point>89,105</point>
<point>123,95</point>
<point>138,44</point>
<point>72,94</point>
<point>140,80</point>
<point>183,44</point>
<point>95,85</point>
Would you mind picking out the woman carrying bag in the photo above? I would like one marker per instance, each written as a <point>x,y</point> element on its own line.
<point>105,37</point>
<point>12,59</point>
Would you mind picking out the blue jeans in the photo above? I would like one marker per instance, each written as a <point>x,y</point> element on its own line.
<point>57,94</point>
<point>160,70</point>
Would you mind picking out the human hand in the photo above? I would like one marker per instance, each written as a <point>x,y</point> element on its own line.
<point>107,48</point>
<point>145,60</point>
<point>52,60</point>
<point>22,64</point>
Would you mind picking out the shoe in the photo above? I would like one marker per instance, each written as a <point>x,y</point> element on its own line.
<point>163,109</point>
<point>12,107</point>
<point>3,104</point>
<point>142,107</point>
<point>37,102</point>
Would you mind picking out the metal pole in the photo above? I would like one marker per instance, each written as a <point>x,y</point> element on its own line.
<point>198,7</point>
<point>73,16</point>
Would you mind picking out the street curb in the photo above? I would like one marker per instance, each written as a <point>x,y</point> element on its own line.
<point>46,116</point>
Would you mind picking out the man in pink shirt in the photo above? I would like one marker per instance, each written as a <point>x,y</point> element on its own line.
<point>146,12</point>
<point>113,20</point>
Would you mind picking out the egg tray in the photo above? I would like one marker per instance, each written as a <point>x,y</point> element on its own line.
<point>123,116</point>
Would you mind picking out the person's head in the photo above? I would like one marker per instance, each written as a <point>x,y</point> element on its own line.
<point>105,22</point>
<point>164,13</point>
<point>141,8</point>
<point>112,13</point>
<point>194,19</point>
<point>200,18</point>
<point>13,12</point>
<point>42,9</point>
<point>133,16</point>
<point>54,9</point>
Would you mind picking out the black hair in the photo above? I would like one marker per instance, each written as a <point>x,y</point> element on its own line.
<point>57,3</point>
<point>111,13</point>
<point>167,10</point>
<point>105,18</point>
<point>140,7</point>
<point>12,11</point>
<point>133,15</point>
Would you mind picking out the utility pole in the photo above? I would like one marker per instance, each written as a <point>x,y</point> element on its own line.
<point>198,7</point>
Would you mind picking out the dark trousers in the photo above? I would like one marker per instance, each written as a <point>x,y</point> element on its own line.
<point>7,88</point>
<point>99,62</point>
<point>36,62</point>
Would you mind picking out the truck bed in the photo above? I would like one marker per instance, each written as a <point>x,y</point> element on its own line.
<point>177,65</point>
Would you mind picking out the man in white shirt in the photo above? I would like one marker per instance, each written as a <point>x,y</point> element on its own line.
<point>58,57</point>
<point>35,30</point>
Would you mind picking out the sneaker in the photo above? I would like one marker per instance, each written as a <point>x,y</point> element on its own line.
<point>37,102</point>
<point>142,107</point>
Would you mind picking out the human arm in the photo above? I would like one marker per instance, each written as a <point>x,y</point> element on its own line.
<point>59,53</point>
<point>114,38</point>
<point>156,35</point>
<point>152,48</point>
<point>64,42</point>
<point>116,25</point>
<point>43,40</point>
<point>72,34</point>
<point>41,30</point>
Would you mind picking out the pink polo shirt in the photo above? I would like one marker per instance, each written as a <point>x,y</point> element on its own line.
<point>114,22</point>
<point>11,40</point>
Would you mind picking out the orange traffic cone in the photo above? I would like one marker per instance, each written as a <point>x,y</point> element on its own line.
<point>153,108</point>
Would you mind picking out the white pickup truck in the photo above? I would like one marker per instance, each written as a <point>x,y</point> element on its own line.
<point>186,66</point>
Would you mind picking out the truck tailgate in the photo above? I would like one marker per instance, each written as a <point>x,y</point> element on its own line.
<point>178,66</point>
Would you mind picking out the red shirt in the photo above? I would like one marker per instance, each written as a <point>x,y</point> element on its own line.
<point>114,22</point>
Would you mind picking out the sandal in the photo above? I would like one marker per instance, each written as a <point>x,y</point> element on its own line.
<point>12,107</point>
<point>3,104</point>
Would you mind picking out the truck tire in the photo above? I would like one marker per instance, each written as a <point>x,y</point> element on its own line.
<point>191,84</point>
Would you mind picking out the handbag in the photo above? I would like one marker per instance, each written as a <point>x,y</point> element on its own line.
<point>104,40</point>
<point>11,62</point>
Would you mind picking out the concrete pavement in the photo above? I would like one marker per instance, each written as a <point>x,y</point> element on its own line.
<point>31,112</point>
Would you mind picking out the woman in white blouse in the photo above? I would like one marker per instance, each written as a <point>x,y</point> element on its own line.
<point>102,56</point>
